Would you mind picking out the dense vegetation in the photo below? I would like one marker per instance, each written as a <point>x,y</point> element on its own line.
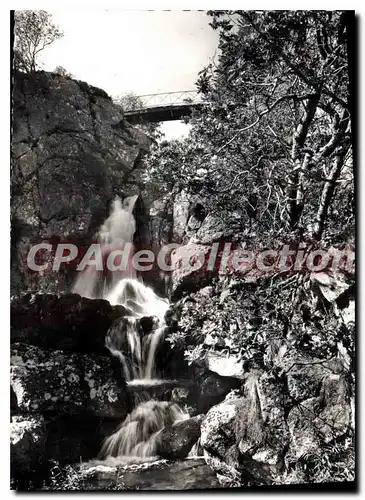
<point>273,142</point>
<point>273,148</point>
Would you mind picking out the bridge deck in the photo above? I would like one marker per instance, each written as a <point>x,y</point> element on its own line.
<point>160,113</point>
<point>164,107</point>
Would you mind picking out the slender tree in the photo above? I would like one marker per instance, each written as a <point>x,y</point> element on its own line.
<point>34,31</point>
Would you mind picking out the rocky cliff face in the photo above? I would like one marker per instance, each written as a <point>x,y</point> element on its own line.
<point>73,152</point>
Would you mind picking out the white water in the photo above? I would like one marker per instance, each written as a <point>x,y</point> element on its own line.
<point>117,231</point>
<point>122,287</point>
<point>128,339</point>
<point>137,436</point>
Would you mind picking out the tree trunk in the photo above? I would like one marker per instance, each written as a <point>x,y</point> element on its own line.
<point>327,192</point>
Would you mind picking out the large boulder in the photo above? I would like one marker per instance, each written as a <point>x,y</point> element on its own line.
<point>73,152</point>
<point>218,228</point>
<point>218,439</point>
<point>67,322</point>
<point>43,380</point>
<point>257,435</point>
<point>319,420</point>
<point>244,437</point>
<point>175,442</point>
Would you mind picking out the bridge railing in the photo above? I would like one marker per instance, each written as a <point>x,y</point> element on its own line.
<point>170,99</point>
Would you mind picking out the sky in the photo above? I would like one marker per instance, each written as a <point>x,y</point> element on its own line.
<point>145,52</point>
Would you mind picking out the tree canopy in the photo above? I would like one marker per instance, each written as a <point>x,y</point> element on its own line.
<point>273,142</point>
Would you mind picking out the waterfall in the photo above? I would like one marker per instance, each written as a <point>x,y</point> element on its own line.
<point>134,338</point>
<point>115,234</point>
<point>122,287</point>
<point>137,436</point>
<point>142,330</point>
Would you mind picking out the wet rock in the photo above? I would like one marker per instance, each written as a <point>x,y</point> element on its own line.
<point>176,441</point>
<point>45,380</point>
<point>180,395</point>
<point>67,322</point>
<point>190,474</point>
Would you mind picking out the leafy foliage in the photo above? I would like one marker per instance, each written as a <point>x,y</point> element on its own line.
<point>273,142</point>
<point>245,318</point>
<point>61,71</point>
<point>272,145</point>
<point>336,463</point>
<point>34,31</point>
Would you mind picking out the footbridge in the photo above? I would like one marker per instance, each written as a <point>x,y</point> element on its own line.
<point>164,107</point>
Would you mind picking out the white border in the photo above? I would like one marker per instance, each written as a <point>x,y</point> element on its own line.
<point>5,178</point>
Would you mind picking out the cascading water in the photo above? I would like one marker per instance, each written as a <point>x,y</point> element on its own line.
<point>115,234</point>
<point>134,338</point>
<point>137,437</point>
<point>141,302</point>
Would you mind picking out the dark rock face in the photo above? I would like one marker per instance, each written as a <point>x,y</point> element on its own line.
<point>66,322</point>
<point>176,441</point>
<point>213,390</point>
<point>73,152</point>
<point>67,391</point>
<point>45,380</point>
<point>75,438</point>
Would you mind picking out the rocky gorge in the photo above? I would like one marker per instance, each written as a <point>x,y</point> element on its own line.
<point>245,398</point>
